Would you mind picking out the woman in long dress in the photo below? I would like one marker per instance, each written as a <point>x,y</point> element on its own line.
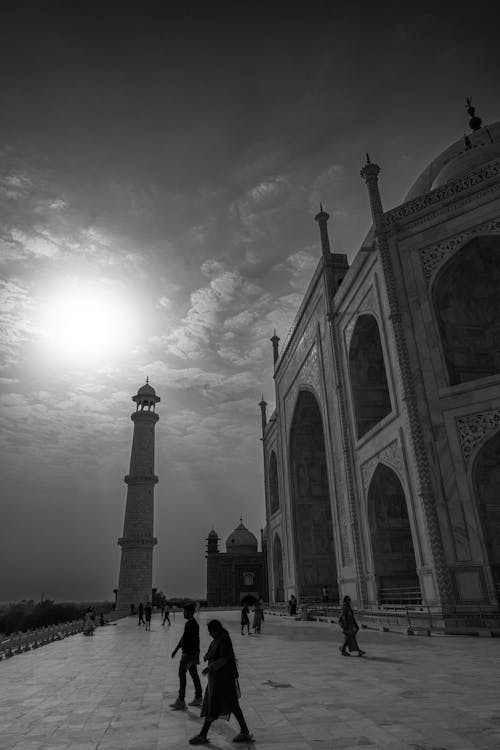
<point>349,628</point>
<point>222,692</point>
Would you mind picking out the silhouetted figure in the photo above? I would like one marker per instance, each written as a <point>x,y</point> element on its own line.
<point>258,617</point>
<point>190,657</point>
<point>292,606</point>
<point>324,594</point>
<point>223,691</point>
<point>148,611</point>
<point>165,613</point>
<point>245,620</point>
<point>349,627</point>
<point>140,612</point>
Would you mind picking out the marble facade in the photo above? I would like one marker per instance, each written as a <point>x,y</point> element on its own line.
<point>382,457</point>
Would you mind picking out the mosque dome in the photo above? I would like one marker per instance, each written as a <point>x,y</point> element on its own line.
<point>146,390</point>
<point>458,160</point>
<point>241,540</point>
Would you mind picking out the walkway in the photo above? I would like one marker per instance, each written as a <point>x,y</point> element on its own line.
<point>112,691</point>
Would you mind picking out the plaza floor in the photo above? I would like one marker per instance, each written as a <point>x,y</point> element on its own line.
<point>112,691</point>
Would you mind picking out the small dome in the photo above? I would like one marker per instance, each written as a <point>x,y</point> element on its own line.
<point>213,534</point>
<point>146,390</point>
<point>241,540</point>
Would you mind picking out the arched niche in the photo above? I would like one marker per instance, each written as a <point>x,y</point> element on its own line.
<point>279,588</point>
<point>274,497</point>
<point>466,298</point>
<point>486,482</point>
<point>391,540</point>
<point>370,391</point>
<point>311,508</point>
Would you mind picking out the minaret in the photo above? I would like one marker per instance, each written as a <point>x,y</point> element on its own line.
<point>336,264</point>
<point>275,341</point>
<point>263,416</point>
<point>136,568</point>
<point>212,568</point>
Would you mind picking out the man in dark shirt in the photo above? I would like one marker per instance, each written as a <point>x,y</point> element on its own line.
<point>190,657</point>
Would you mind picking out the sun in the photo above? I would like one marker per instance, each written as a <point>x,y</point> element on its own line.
<point>87,322</point>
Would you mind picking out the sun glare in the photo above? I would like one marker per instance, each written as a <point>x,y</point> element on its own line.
<point>88,322</point>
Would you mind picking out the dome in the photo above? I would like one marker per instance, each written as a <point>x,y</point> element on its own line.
<point>466,162</point>
<point>213,534</point>
<point>146,390</point>
<point>457,160</point>
<point>241,540</point>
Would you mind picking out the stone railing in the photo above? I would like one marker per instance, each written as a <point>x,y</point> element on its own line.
<point>18,643</point>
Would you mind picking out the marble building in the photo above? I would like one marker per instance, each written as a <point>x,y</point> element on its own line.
<point>237,572</point>
<point>382,457</point>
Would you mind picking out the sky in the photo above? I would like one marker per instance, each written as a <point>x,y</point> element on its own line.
<point>161,165</point>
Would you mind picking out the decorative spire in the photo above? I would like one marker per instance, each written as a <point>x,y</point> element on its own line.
<point>274,341</point>
<point>370,174</point>
<point>467,142</point>
<point>322,219</point>
<point>147,380</point>
<point>475,121</point>
<point>263,414</point>
<point>368,158</point>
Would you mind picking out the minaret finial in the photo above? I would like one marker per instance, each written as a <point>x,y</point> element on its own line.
<point>368,158</point>
<point>321,208</point>
<point>475,121</point>
<point>147,380</point>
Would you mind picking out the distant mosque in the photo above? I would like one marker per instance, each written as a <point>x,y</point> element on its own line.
<point>382,456</point>
<point>238,572</point>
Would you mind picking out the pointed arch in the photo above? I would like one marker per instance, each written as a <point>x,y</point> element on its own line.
<point>274,495</point>
<point>369,387</point>
<point>393,552</point>
<point>311,506</point>
<point>279,588</point>
<point>486,483</point>
<point>466,301</point>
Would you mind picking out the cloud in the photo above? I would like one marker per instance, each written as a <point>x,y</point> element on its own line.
<point>326,187</point>
<point>267,195</point>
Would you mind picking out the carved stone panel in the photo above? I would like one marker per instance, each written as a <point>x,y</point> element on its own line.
<point>473,428</point>
<point>390,455</point>
<point>434,256</point>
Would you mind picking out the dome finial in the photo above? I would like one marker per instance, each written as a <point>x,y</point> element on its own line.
<point>368,158</point>
<point>147,380</point>
<point>467,142</point>
<point>475,121</point>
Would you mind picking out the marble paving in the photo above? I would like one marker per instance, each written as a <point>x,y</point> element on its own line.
<point>112,691</point>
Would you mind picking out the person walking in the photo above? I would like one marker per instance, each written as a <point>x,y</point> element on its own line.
<point>325,595</point>
<point>292,606</point>
<point>349,627</point>
<point>222,691</point>
<point>148,611</point>
<point>166,613</point>
<point>190,657</point>
<point>140,612</point>
<point>258,617</point>
<point>245,620</point>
